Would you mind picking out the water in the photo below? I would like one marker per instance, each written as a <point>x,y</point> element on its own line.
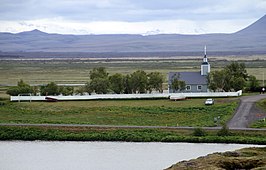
<point>101,155</point>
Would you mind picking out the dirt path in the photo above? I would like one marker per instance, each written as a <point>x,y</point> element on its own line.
<point>247,112</point>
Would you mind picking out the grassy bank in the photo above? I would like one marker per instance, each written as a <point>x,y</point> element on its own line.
<point>129,135</point>
<point>190,112</point>
<point>262,122</point>
<point>247,158</point>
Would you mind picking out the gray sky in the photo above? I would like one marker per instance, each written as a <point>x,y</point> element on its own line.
<point>129,16</point>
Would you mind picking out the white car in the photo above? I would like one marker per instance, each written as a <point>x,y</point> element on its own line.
<point>209,102</point>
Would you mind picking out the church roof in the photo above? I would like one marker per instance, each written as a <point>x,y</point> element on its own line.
<point>188,77</point>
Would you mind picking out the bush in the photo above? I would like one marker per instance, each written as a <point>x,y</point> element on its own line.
<point>21,88</point>
<point>199,132</point>
<point>224,131</point>
<point>50,89</point>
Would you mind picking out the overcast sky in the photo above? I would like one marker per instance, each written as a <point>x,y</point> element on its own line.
<point>129,16</point>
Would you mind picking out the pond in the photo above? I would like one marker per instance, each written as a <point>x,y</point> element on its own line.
<point>42,155</point>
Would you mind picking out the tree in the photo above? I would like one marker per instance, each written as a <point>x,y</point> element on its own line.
<point>178,85</point>
<point>21,88</point>
<point>100,85</point>
<point>237,76</point>
<point>139,81</point>
<point>117,83</point>
<point>66,91</point>
<point>99,72</point>
<point>50,89</point>
<point>253,83</point>
<point>232,77</point>
<point>237,70</point>
<point>218,80</point>
<point>99,80</point>
<point>80,90</point>
<point>88,88</point>
<point>155,81</point>
<point>127,84</point>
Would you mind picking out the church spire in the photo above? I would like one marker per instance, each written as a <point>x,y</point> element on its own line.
<point>205,59</point>
<point>205,66</point>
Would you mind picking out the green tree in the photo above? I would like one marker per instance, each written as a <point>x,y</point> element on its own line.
<point>218,80</point>
<point>128,84</point>
<point>237,70</point>
<point>66,91</point>
<point>99,72</point>
<point>21,88</point>
<point>155,81</point>
<point>87,88</point>
<point>232,77</point>
<point>139,81</point>
<point>100,85</point>
<point>238,76</point>
<point>117,83</point>
<point>81,90</point>
<point>178,85</point>
<point>253,83</point>
<point>50,89</point>
<point>99,80</point>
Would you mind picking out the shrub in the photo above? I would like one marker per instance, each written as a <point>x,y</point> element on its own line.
<point>21,88</point>
<point>224,131</point>
<point>199,132</point>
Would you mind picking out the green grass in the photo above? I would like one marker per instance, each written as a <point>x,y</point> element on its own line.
<point>191,112</point>
<point>247,158</point>
<point>262,122</point>
<point>129,135</point>
<point>77,71</point>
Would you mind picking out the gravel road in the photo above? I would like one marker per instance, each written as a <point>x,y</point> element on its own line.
<point>247,112</point>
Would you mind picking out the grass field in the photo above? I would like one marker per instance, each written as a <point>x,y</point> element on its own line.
<point>77,71</point>
<point>191,112</point>
<point>129,135</point>
<point>260,123</point>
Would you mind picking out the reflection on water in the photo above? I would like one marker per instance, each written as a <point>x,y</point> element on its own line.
<point>101,155</point>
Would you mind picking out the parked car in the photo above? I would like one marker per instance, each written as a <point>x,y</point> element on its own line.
<point>209,102</point>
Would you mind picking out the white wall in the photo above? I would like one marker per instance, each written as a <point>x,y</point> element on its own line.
<point>172,96</point>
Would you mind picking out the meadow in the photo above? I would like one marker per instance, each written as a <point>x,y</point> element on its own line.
<point>191,112</point>
<point>262,122</point>
<point>40,71</point>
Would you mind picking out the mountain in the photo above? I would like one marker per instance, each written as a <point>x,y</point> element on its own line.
<point>251,39</point>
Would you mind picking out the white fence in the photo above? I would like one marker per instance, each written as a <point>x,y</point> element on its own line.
<point>172,96</point>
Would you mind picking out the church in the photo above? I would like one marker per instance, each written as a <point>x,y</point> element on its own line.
<point>195,81</point>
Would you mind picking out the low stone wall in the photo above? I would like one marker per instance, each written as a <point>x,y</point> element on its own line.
<point>172,96</point>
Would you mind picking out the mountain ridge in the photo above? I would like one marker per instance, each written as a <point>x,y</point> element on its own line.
<point>251,38</point>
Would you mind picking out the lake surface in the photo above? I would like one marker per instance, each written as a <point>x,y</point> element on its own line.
<point>39,155</point>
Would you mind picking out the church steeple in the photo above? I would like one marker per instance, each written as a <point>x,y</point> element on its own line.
<point>205,66</point>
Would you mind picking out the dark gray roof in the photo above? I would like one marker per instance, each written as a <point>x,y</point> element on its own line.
<point>188,77</point>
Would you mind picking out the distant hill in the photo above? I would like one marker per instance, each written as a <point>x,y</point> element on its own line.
<point>252,39</point>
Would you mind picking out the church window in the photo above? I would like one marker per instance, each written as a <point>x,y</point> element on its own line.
<point>199,87</point>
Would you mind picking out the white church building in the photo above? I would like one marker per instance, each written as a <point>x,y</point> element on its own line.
<point>195,81</point>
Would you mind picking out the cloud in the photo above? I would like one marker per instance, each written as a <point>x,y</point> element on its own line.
<point>58,25</point>
<point>129,10</point>
<point>129,16</point>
